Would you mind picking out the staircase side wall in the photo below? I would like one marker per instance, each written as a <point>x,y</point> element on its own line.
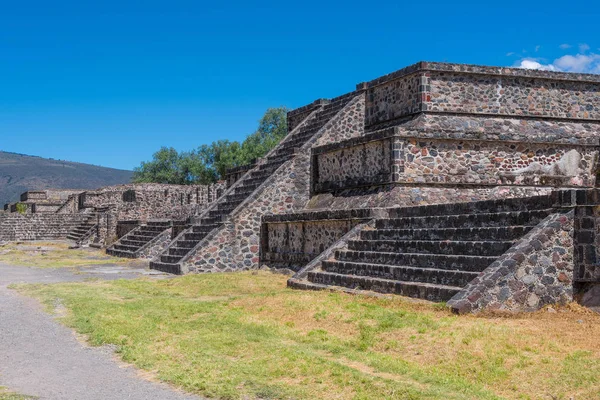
<point>536,271</point>
<point>235,246</point>
<point>157,245</point>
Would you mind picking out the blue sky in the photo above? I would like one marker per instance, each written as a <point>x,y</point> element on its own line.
<point>110,82</point>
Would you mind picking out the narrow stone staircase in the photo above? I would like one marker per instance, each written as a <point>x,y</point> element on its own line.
<point>80,230</point>
<point>129,246</point>
<point>429,252</point>
<point>170,259</point>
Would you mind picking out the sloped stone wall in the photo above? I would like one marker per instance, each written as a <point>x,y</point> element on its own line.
<point>235,246</point>
<point>536,271</point>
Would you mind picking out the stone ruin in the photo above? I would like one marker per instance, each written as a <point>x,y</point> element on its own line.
<point>467,184</point>
<point>99,217</point>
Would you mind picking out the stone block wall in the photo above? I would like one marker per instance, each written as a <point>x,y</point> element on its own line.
<point>38,226</point>
<point>46,201</point>
<point>293,240</point>
<point>153,201</point>
<point>469,89</point>
<point>387,157</point>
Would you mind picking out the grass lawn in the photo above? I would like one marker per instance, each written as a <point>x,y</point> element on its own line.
<point>246,336</point>
<point>53,255</point>
<point>6,395</point>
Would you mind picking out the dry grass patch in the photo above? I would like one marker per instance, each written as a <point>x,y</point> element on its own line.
<point>54,255</point>
<point>246,336</point>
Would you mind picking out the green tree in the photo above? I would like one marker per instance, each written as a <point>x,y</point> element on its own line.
<point>166,166</point>
<point>272,127</point>
<point>209,162</point>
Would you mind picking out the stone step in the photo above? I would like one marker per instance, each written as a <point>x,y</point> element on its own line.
<point>236,197</point>
<point>139,237</point>
<point>255,182</point>
<point>227,206</point>
<point>152,228</point>
<point>163,224</point>
<point>245,189</point>
<point>501,219</point>
<point>299,140</point>
<point>179,251</point>
<point>493,233</point>
<point>402,273</point>
<point>129,242</point>
<point>432,247</point>
<point>293,261</point>
<point>425,291</point>
<point>438,261</point>
<point>274,162</point>
<point>120,253</point>
<point>170,259</point>
<point>125,247</point>
<point>204,228</point>
<point>188,244</point>
<point>171,268</point>
<point>221,212</point>
<point>211,221</point>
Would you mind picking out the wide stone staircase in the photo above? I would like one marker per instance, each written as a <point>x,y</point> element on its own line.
<point>171,258</point>
<point>429,252</point>
<point>82,229</point>
<point>130,245</point>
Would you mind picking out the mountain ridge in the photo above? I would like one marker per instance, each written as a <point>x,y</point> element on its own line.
<point>22,172</point>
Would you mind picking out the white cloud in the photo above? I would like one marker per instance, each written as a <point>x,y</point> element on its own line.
<point>510,53</point>
<point>537,48</point>
<point>529,63</point>
<point>579,63</point>
<point>565,46</point>
<point>583,48</point>
<point>582,62</point>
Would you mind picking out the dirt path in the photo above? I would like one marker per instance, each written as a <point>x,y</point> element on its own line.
<point>40,357</point>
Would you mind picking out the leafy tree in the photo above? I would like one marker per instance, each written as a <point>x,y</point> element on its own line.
<point>208,163</point>
<point>166,167</point>
<point>272,127</point>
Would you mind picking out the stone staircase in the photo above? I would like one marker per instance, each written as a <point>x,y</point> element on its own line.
<point>429,252</point>
<point>129,246</point>
<point>80,230</point>
<point>171,258</point>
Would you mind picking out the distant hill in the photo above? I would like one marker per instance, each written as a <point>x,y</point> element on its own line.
<point>19,173</point>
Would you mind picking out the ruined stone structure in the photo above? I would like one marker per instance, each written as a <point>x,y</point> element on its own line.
<point>101,216</point>
<point>446,182</point>
<point>467,184</point>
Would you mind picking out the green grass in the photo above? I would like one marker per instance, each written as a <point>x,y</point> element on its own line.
<point>41,254</point>
<point>246,336</point>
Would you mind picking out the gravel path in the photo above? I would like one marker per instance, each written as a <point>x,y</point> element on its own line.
<point>40,357</point>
